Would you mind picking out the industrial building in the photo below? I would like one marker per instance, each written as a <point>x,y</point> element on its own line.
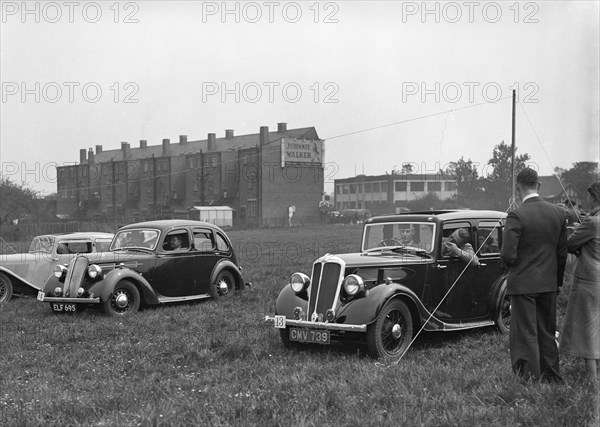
<point>263,177</point>
<point>383,194</point>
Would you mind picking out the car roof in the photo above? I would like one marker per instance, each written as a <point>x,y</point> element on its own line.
<point>79,235</point>
<point>439,215</point>
<point>167,224</point>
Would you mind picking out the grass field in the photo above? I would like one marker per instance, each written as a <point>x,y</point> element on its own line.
<point>218,363</point>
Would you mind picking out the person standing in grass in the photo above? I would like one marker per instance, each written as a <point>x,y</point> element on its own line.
<point>535,250</point>
<point>580,335</point>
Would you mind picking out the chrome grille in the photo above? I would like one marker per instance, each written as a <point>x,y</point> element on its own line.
<point>325,286</point>
<point>75,276</point>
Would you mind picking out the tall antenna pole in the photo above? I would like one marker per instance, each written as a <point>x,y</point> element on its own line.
<point>512,159</point>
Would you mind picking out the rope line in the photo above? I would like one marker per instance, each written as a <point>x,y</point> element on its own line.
<point>548,158</point>
<point>443,298</point>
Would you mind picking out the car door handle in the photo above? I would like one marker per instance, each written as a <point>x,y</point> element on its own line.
<point>440,267</point>
<point>481,264</point>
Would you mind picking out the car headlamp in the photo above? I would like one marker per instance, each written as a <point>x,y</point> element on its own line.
<point>353,284</point>
<point>299,282</point>
<point>94,271</point>
<point>59,271</point>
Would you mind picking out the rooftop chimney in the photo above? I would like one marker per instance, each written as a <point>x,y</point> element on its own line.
<point>229,133</point>
<point>90,155</point>
<point>82,155</point>
<point>143,143</point>
<point>264,135</point>
<point>98,149</point>
<point>281,127</point>
<point>166,147</point>
<point>182,139</point>
<point>212,142</point>
<point>125,150</point>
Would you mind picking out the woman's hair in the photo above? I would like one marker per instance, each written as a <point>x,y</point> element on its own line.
<point>594,190</point>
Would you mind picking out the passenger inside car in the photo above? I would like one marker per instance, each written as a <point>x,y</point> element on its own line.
<point>175,241</point>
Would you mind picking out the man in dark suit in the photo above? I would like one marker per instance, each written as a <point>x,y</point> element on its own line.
<point>535,250</point>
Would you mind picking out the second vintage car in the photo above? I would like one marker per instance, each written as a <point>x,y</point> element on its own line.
<point>25,274</point>
<point>148,263</point>
<point>402,280</point>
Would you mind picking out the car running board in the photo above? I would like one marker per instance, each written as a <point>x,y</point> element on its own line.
<point>179,299</point>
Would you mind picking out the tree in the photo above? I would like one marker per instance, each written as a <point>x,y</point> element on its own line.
<point>469,185</point>
<point>581,175</point>
<point>498,182</point>
<point>17,201</point>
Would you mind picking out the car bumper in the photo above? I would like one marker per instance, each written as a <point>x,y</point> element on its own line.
<point>44,298</point>
<point>316,325</point>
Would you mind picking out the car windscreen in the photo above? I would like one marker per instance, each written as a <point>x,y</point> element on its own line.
<point>42,244</point>
<point>136,238</point>
<point>417,235</point>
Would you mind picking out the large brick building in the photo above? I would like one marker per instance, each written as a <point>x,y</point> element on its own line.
<point>259,175</point>
<point>381,194</point>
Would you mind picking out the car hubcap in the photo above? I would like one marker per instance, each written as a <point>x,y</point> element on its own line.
<point>121,300</point>
<point>223,288</point>
<point>396,331</point>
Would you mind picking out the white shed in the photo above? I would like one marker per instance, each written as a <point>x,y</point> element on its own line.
<point>221,216</point>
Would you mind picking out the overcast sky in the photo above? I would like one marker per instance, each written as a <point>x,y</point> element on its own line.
<point>383,83</point>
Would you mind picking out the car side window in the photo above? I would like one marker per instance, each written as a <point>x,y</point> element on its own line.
<point>176,240</point>
<point>222,243</point>
<point>102,245</point>
<point>203,240</point>
<point>489,235</point>
<point>66,247</point>
<point>447,232</point>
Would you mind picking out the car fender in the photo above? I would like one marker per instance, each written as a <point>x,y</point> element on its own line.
<point>20,285</point>
<point>364,310</point>
<point>105,287</point>
<point>226,264</point>
<point>287,301</point>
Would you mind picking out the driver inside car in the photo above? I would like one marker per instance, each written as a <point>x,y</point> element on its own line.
<point>407,236</point>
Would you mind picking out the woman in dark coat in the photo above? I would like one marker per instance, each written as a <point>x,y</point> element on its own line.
<point>580,336</point>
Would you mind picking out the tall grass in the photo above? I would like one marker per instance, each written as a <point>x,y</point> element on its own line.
<point>218,363</point>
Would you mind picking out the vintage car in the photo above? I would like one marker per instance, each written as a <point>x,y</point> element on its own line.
<point>25,274</point>
<point>400,281</point>
<point>148,263</point>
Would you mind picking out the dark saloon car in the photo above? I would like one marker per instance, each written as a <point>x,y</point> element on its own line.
<point>148,263</point>
<point>402,280</point>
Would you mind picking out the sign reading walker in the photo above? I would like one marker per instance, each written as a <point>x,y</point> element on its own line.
<point>301,151</point>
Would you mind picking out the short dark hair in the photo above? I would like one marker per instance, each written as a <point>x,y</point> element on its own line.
<point>527,177</point>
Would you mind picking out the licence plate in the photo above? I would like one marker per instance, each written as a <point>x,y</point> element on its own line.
<point>310,335</point>
<point>41,296</point>
<point>60,307</point>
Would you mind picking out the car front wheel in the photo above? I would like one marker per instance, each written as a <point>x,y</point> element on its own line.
<point>6,288</point>
<point>390,335</point>
<point>124,300</point>
<point>224,285</point>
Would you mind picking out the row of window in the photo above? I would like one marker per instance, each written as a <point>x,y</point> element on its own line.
<point>399,186</point>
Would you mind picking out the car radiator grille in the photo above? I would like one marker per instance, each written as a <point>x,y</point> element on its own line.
<point>325,283</point>
<point>75,276</point>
